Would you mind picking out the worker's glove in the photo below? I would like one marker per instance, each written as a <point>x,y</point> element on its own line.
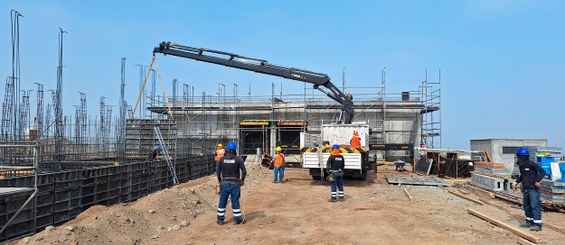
<point>218,189</point>
<point>241,182</point>
<point>515,186</point>
<point>537,185</point>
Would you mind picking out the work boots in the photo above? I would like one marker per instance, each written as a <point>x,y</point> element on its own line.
<point>341,199</point>
<point>237,220</point>
<point>332,199</point>
<point>536,228</point>
<point>220,222</point>
<point>528,224</point>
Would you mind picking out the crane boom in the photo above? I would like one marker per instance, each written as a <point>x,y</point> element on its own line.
<point>264,67</point>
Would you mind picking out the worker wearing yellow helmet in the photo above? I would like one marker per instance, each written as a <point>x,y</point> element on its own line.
<point>220,152</point>
<point>279,165</point>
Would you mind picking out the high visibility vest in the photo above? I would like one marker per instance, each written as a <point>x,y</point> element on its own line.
<point>356,142</point>
<point>279,161</point>
<point>220,153</point>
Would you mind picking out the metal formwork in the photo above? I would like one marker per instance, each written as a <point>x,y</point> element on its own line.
<point>488,182</point>
<point>64,195</point>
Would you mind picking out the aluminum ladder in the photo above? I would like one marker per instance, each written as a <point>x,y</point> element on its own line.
<point>166,153</point>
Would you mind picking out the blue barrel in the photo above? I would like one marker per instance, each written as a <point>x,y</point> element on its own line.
<point>545,162</point>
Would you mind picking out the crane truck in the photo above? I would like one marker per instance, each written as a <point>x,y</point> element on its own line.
<point>356,160</point>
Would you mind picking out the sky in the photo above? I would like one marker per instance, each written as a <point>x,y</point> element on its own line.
<point>502,62</point>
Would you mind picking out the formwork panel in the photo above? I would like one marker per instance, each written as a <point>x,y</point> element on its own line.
<point>43,221</point>
<point>63,195</point>
<point>487,182</point>
<point>61,217</point>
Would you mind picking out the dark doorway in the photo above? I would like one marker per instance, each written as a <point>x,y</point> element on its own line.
<point>253,138</point>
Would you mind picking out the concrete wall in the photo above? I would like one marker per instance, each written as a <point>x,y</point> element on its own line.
<point>495,148</point>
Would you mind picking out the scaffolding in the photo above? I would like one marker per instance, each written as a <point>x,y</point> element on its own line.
<point>204,121</point>
<point>431,115</point>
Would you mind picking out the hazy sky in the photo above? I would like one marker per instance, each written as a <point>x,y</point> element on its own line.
<point>502,61</point>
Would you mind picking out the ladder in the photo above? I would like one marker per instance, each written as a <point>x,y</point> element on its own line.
<point>166,153</point>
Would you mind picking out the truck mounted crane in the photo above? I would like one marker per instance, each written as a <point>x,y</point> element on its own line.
<point>319,80</point>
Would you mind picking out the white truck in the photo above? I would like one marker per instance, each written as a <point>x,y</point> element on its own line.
<point>356,159</point>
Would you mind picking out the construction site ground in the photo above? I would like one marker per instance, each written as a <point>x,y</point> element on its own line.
<point>295,212</point>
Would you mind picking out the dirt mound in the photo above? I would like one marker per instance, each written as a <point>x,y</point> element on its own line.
<point>156,215</point>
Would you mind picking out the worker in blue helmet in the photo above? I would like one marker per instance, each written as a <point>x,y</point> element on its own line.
<point>154,153</point>
<point>530,177</point>
<point>336,165</point>
<point>231,174</point>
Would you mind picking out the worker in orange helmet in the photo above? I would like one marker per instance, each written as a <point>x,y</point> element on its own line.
<point>220,152</point>
<point>356,140</point>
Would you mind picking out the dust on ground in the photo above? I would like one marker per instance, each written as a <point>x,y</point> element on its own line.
<point>294,212</point>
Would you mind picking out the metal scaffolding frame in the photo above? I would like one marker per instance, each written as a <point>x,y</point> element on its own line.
<point>430,91</point>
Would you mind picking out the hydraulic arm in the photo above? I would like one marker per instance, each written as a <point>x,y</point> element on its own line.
<point>319,80</point>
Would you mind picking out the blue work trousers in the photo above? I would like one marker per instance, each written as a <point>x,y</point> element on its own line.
<point>279,171</point>
<point>532,206</point>
<point>232,188</point>
<point>337,184</point>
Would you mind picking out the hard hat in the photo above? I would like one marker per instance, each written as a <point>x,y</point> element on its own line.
<point>334,147</point>
<point>279,149</point>
<point>522,151</point>
<point>158,148</point>
<point>220,145</point>
<point>232,146</point>
<point>355,133</point>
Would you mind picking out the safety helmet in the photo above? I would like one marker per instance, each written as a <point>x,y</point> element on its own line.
<point>279,149</point>
<point>522,151</point>
<point>335,147</point>
<point>232,146</point>
<point>355,133</point>
<point>158,148</point>
<point>220,145</point>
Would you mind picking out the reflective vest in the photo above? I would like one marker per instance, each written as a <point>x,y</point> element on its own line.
<point>279,161</point>
<point>220,153</point>
<point>356,142</point>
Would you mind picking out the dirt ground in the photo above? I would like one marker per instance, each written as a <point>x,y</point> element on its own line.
<point>295,212</point>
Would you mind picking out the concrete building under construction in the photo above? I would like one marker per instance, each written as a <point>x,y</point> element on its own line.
<point>398,122</point>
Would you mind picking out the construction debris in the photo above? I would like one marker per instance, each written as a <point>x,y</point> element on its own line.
<point>407,194</point>
<point>415,180</point>
<point>466,197</point>
<point>514,230</point>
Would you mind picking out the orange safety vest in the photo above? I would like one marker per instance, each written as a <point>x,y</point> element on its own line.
<point>220,153</point>
<point>356,142</point>
<point>279,161</point>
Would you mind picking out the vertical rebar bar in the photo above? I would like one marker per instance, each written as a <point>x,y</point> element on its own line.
<point>122,118</point>
<point>59,131</point>
<point>39,114</point>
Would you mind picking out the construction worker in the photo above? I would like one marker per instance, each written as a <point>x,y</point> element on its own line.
<point>231,174</point>
<point>530,176</point>
<point>278,165</point>
<point>220,152</point>
<point>336,164</point>
<point>355,140</point>
<point>153,153</point>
